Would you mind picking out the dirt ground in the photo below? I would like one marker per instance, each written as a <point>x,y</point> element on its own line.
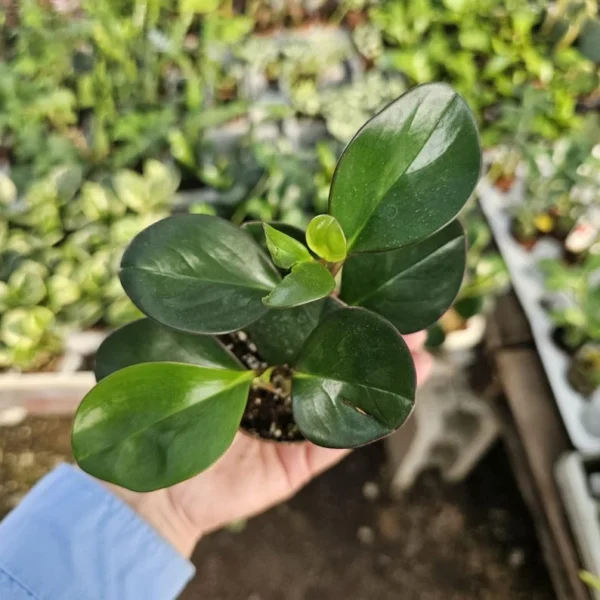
<point>336,541</point>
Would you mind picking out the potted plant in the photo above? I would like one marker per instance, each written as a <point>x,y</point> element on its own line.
<point>584,371</point>
<point>387,259</point>
<point>575,307</point>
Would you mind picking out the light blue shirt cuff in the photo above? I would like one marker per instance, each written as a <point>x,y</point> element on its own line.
<point>70,538</point>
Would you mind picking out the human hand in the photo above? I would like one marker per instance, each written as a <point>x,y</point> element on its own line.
<point>249,478</point>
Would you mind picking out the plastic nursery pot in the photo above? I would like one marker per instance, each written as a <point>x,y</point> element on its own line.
<point>560,336</point>
<point>504,183</point>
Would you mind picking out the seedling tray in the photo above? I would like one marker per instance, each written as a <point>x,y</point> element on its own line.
<point>580,415</point>
<point>575,474</point>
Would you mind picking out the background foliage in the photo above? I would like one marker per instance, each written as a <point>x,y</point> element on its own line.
<point>114,114</point>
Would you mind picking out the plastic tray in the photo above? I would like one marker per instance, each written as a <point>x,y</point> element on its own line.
<point>583,510</point>
<point>580,415</point>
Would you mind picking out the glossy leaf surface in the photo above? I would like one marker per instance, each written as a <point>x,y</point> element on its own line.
<point>306,282</point>
<point>326,239</point>
<point>145,341</point>
<point>197,273</point>
<point>280,334</point>
<point>408,171</point>
<point>285,250</point>
<point>355,380</point>
<point>256,230</point>
<point>411,287</point>
<point>153,425</point>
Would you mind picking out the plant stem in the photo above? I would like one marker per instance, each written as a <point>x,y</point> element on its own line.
<point>335,267</point>
<point>265,385</point>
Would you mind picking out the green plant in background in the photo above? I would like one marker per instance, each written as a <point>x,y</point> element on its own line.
<point>107,91</point>
<point>584,371</point>
<point>563,180</point>
<point>577,314</point>
<point>489,49</point>
<point>62,244</point>
<point>593,581</point>
<point>28,338</point>
<point>390,235</point>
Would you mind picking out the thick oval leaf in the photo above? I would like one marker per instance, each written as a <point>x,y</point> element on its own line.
<point>284,250</point>
<point>355,380</point>
<point>412,287</point>
<point>197,273</point>
<point>145,341</point>
<point>408,171</point>
<point>280,334</point>
<point>153,425</point>
<point>325,237</point>
<point>306,282</point>
<point>588,42</point>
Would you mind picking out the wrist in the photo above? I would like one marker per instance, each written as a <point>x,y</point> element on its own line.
<point>163,515</point>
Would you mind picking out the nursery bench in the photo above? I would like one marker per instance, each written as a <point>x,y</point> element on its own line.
<point>534,438</point>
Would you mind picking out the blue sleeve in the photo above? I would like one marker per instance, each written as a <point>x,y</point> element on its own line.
<point>72,539</point>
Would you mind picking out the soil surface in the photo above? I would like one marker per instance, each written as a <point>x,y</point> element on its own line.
<point>268,412</point>
<point>341,538</point>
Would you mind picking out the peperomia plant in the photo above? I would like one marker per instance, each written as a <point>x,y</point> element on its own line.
<point>388,259</point>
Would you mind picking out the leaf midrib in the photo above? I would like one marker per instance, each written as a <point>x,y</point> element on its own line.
<point>196,279</point>
<point>352,240</point>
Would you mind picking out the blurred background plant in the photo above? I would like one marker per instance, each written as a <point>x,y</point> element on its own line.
<point>114,114</point>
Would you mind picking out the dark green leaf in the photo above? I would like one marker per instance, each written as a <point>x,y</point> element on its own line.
<point>153,425</point>
<point>197,273</point>
<point>411,287</point>
<point>284,250</point>
<point>355,380</point>
<point>435,337</point>
<point>146,341</point>
<point>307,282</point>
<point>469,307</point>
<point>280,334</point>
<point>326,239</point>
<point>408,171</point>
<point>589,40</point>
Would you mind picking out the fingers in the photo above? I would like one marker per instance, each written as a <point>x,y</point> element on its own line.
<point>320,459</point>
<point>415,341</point>
<point>422,359</point>
<point>423,364</point>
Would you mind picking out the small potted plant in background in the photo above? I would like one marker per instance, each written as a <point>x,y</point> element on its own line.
<point>584,371</point>
<point>575,302</point>
<point>326,356</point>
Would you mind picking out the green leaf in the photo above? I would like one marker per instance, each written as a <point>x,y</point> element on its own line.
<point>326,239</point>
<point>197,273</point>
<point>408,171</point>
<point>589,40</point>
<point>153,425</point>
<point>411,287</point>
<point>145,341</point>
<point>285,250</point>
<point>306,282</point>
<point>280,334</point>
<point>355,380</point>
<point>255,229</point>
